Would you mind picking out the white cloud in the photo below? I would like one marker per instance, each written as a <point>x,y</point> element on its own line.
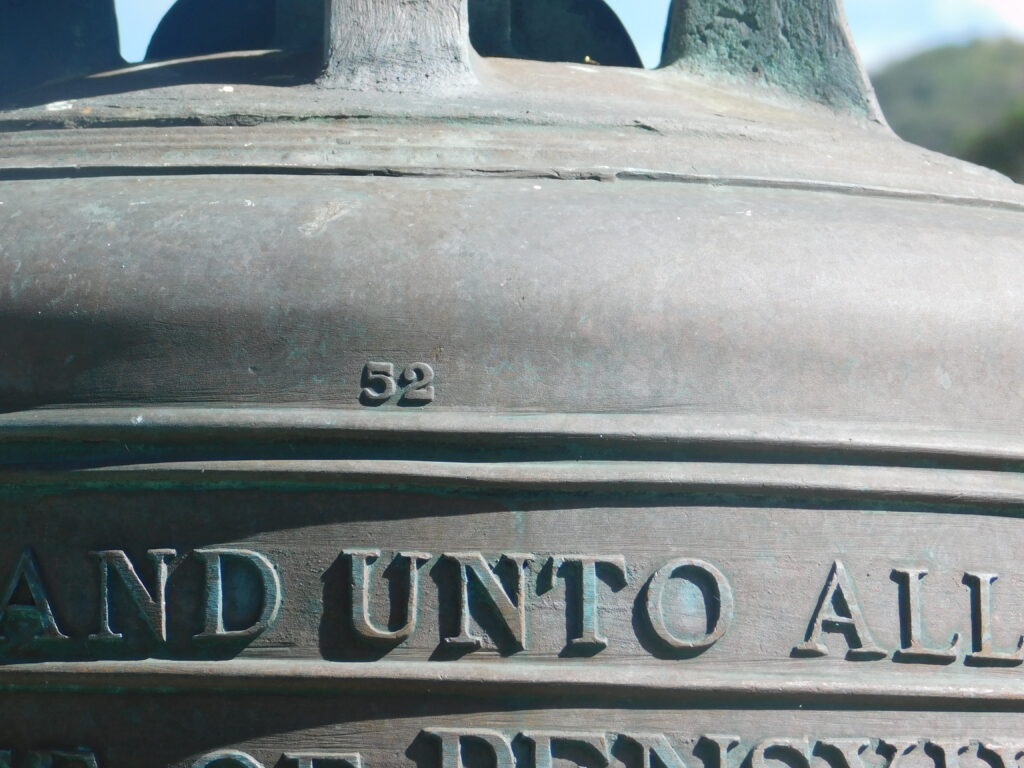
<point>1011,12</point>
<point>887,29</point>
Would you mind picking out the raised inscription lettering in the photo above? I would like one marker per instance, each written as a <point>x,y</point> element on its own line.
<point>380,383</point>
<point>838,611</point>
<point>152,608</point>
<point>322,760</point>
<point>451,741</point>
<point>230,758</point>
<point>270,582</point>
<point>718,603</point>
<point>911,621</point>
<point>20,625</point>
<point>362,561</point>
<point>418,380</point>
<point>646,750</point>
<point>591,747</point>
<point>795,753</point>
<point>599,749</point>
<point>655,748</point>
<point>983,654</point>
<point>510,608</point>
<point>589,637</point>
<point>182,605</point>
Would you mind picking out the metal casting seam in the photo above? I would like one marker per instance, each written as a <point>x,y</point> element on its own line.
<point>26,173</point>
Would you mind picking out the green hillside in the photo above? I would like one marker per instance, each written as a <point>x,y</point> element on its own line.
<point>965,100</point>
<point>1002,146</point>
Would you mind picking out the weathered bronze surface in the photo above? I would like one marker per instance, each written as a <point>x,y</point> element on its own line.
<point>412,408</point>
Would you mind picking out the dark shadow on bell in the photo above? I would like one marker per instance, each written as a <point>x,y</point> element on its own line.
<point>200,27</point>
<point>832,755</point>
<point>250,42</point>
<point>269,68</point>
<point>574,752</point>
<point>54,40</point>
<point>423,751</point>
<point>337,637</point>
<point>551,30</point>
<point>630,752</point>
<point>708,752</point>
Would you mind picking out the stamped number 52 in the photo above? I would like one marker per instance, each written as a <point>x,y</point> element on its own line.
<point>380,383</point>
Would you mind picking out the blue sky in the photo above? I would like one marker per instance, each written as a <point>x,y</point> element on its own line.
<point>890,29</point>
<point>884,29</point>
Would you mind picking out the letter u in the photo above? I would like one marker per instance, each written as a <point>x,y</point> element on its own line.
<point>362,561</point>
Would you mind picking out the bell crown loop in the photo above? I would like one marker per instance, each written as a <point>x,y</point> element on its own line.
<point>802,47</point>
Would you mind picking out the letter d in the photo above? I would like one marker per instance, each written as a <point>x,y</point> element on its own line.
<point>451,745</point>
<point>270,585</point>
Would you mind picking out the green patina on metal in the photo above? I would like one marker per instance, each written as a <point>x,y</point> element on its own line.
<point>802,47</point>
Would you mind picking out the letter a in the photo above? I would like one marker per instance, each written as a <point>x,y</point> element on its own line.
<point>28,571</point>
<point>839,612</point>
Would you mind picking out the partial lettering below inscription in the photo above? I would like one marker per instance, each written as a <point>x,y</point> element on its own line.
<point>543,748</point>
<point>230,758</point>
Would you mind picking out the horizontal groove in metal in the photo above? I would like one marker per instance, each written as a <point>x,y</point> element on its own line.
<point>892,443</point>
<point>86,170</point>
<point>997,489</point>
<point>544,680</point>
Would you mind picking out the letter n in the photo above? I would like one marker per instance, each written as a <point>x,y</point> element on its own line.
<point>656,745</point>
<point>152,608</point>
<point>512,614</point>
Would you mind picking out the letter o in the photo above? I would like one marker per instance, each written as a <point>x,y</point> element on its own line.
<point>718,621</point>
<point>229,756</point>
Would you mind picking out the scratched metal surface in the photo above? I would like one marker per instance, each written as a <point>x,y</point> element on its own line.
<point>631,296</point>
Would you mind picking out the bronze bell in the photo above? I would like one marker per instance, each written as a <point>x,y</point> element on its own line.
<point>369,402</point>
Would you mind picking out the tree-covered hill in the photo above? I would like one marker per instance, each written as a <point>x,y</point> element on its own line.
<point>965,100</point>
